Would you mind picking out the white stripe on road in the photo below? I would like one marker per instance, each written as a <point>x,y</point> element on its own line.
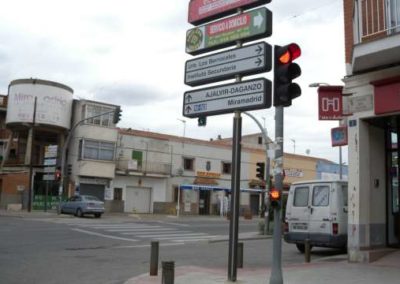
<point>175,224</point>
<point>172,235</point>
<point>96,226</point>
<point>147,246</point>
<point>139,229</point>
<point>104,236</point>
<point>155,233</point>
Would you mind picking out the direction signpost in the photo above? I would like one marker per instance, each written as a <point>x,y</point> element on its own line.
<point>252,25</point>
<point>246,95</point>
<point>248,60</point>
<point>235,63</point>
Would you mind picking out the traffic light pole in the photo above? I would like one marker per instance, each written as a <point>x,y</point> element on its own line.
<point>276,269</point>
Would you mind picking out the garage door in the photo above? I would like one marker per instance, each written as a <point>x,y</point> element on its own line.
<point>138,199</point>
<point>92,189</point>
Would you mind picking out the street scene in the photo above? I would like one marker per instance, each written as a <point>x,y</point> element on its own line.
<point>210,141</point>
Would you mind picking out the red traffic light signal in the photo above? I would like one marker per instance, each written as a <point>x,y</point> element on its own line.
<point>57,175</point>
<point>284,72</point>
<point>274,197</point>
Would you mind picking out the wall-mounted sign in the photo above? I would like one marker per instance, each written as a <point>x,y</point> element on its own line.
<point>248,26</point>
<point>246,95</point>
<point>339,136</point>
<point>330,102</point>
<point>208,174</point>
<point>201,11</point>
<point>248,60</point>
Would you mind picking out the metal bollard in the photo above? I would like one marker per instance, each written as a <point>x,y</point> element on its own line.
<point>240,256</point>
<point>168,272</point>
<point>307,250</point>
<point>154,259</point>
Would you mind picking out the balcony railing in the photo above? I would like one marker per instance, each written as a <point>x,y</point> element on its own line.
<point>145,167</point>
<point>375,19</point>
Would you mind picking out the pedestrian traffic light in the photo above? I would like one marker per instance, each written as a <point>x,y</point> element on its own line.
<point>57,175</point>
<point>260,169</point>
<point>117,115</point>
<point>69,169</point>
<point>202,121</point>
<point>284,72</point>
<point>274,197</point>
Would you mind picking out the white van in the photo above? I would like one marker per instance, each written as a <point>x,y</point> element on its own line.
<point>317,210</point>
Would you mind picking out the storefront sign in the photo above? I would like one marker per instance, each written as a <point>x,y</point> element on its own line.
<point>248,26</point>
<point>387,96</point>
<point>208,174</point>
<point>201,11</point>
<point>330,102</point>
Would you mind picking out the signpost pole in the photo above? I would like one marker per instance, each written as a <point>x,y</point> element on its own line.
<point>276,269</point>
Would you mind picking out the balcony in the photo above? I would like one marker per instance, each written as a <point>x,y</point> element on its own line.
<point>144,168</point>
<point>376,26</point>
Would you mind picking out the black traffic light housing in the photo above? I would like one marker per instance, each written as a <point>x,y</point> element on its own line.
<point>260,170</point>
<point>284,72</point>
<point>202,121</point>
<point>69,169</point>
<point>117,115</point>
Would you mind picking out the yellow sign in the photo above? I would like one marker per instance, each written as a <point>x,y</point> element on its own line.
<point>208,174</point>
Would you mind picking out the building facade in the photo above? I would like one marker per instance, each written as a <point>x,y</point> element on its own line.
<point>372,104</point>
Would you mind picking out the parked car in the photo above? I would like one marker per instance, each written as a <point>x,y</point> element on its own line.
<point>83,204</point>
<point>317,211</point>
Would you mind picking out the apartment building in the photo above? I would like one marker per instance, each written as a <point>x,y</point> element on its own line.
<point>371,101</point>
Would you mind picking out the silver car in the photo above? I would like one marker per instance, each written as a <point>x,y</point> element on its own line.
<point>83,204</point>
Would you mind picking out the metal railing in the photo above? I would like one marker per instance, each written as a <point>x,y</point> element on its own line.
<point>375,18</point>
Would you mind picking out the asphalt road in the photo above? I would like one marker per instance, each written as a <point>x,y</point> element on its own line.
<point>114,249</point>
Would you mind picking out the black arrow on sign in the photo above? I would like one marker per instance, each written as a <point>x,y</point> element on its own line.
<point>188,98</point>
<point>258,62</point>
<point>259,49</point>
<point>188,109</point>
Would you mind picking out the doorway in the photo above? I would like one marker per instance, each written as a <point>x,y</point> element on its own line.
<point>204,202</point>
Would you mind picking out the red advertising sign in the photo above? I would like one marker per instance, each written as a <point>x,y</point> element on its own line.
<point>339,136</point>
<point>201,11</point>
<point>387,96</point>
<point>330,102</point>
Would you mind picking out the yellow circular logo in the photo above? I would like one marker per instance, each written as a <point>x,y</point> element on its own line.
<point>194,39</point>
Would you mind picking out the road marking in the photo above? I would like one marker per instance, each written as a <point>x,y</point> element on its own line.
<point>139,229</point>
<point>169,236</point>
<point>147,246</point>
<point>161,233</point>
<point>104,236</point>
<point>175,224</point>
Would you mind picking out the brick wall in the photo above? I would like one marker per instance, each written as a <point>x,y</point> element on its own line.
<point>348,8</point>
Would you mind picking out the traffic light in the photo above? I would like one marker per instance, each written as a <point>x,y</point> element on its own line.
<point>274,197</point>
<point>69,169</point>
<point>117,115</point>
<point>202,121</point>
<point>284,72</point>
<point>260,170</point>
<point>57,175</point>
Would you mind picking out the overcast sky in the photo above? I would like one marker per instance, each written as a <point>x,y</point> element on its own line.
<point>132,53</point>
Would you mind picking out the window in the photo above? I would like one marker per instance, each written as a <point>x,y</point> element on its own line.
<point>117,193</point>
<point>93,110</point>
<point>260,140</point>
<point>320,195</point>
<point>137,156</point>
<point>300,197</point>
<point>226,168</point>
<point>96,150</point>
<point>188,164</point>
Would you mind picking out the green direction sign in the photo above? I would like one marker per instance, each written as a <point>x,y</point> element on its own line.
<point>248,26</point>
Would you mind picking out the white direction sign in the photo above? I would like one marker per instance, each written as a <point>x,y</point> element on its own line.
<point>248,60</point>
<point>246,95</point>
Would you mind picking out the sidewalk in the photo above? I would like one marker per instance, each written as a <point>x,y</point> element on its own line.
<point>327,271</point>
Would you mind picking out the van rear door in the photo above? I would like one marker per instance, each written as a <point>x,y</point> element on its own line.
<point>299,212</point>
<point>320,217</point>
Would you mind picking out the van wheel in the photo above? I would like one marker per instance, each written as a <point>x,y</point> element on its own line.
<point>301,248</point>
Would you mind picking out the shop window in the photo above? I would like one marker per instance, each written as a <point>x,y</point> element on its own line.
<point>96,150</point>
<point>226,168</point>
<point>118,193</point>
<point>188,164</point>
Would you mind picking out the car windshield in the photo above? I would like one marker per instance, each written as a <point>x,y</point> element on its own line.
<point>91,198</point>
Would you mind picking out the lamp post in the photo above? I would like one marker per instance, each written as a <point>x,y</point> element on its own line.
<point>317,85</point>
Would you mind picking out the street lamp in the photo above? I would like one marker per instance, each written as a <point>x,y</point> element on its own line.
<point>317,85</point>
